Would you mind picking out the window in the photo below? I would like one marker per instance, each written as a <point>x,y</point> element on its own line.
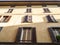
<point>54,34</point>
<point>26,35</point>
<point>1,29</point>
<point>46,10</point>
<point>4,18</point>
<point>10,11</point>
<point>44,5</point>
<point>27,18</point>
<point>51,19</point>
<point>58,5</point>
<point>28,10</point>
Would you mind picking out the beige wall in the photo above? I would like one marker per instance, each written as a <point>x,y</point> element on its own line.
<point>8,33</point>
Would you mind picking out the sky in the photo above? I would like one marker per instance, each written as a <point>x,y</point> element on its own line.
<point>29,0</point>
